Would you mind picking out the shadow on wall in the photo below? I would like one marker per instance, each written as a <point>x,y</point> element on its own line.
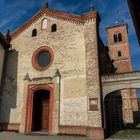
<point>9,95</point>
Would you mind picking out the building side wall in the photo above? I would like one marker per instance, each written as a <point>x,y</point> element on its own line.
<point>92,71</point>
<point>2,52</point>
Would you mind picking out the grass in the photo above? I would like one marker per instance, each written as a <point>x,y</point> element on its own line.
<point>138,126</point>
<point>128,133</point>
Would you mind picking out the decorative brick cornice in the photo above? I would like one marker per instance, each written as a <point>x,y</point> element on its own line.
<point>77,19</point>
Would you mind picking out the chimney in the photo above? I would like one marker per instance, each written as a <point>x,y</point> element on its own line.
<point>46,5</point>
<point>91,8</point>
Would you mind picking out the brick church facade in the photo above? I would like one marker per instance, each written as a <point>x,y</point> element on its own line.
<point>53,76</point>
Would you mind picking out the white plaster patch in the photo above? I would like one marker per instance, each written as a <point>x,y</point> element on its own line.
<point>73,111</point>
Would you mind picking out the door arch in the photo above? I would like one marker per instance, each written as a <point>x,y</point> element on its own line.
<point>37,92</point>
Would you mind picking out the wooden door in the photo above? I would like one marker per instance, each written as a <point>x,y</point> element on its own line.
<point>45,114</point>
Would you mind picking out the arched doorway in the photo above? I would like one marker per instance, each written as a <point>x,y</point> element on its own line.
<point>39,111</point>
<point>113,113</point>
<point>40,117</point>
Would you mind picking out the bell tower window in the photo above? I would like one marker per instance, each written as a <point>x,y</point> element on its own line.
<point>119,54</point>
<point>115,38</point>
<point>119,37</point>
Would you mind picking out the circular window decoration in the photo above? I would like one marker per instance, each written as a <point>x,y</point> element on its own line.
<point>42,58</point>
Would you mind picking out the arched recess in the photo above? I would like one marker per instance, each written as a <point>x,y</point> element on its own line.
<point>29,108</point>
<point>113,113</point>
<point>121,109</point>
<point>44,24</point>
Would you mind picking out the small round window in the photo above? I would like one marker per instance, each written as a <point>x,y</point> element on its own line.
<point>43,58</point>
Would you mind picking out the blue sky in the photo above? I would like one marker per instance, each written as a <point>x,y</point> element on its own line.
<point>13,13</point>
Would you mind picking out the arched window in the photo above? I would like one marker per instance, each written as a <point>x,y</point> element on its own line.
<point>119,54</point>
<point>54,28</point>
<point>115,38</point>
<point>34,32</point>
<point>44,24</point>
<point>119,37</point>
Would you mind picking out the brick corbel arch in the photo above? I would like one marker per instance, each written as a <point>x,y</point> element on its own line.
<point>29,107</point>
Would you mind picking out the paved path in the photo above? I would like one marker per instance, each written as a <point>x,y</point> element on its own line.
<point>129,138</point>
<point>17,136</point>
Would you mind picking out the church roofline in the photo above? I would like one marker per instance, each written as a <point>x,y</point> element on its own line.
<point>79,19</point>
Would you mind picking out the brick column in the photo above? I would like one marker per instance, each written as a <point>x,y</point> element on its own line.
<point>95,129</point>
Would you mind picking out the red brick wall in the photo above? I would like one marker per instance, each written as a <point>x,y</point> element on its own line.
<point>123,62</point>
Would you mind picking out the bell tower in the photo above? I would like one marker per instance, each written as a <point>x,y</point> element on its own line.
<point>119,47</point>
<point>119,52</point>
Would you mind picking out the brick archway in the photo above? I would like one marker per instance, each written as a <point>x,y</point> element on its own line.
<point>113,113</point>
<point>29,108</point>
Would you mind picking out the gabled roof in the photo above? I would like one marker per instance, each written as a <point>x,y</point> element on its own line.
<point>79,19</point>
<point>4,42</point>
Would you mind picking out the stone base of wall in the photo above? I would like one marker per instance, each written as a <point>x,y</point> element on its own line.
<point>9,127</point>
<point>95,133</point>
<point>72,130</point>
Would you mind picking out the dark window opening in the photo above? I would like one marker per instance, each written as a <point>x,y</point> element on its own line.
<point>34,32</point>
<point>119,53</point>
<point>119,37</point>
<point>54,28</point>
<point>115,38</point>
